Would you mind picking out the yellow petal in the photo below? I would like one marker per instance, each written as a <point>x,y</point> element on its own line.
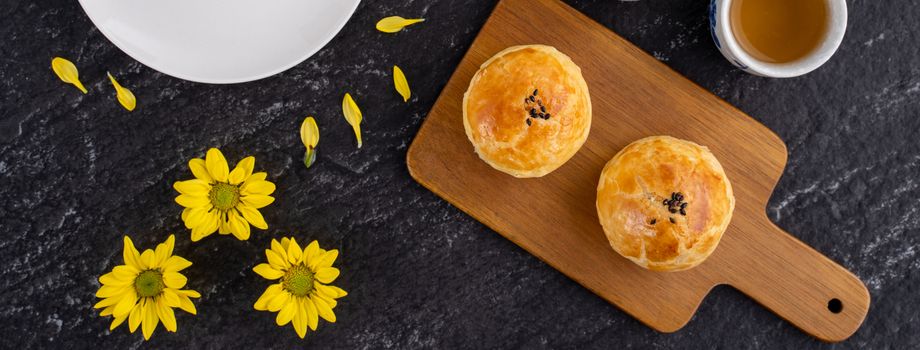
<point>67,71</point>
<point>352,115</point>
<point>269,293</point>
<point>311,252</point>
<point>206,227</point>
<point>164,250</point>
<point>200,170</point>
<point>121,275</point>
<point>126,303</point>
<point>110,279</point>
<point>402,86</point>
<point>187,305</point>
<point>174,280</point>
<point>166,314</point>
<point>148,259</point>
<point>190,201</point>
<point>323,309</point>
<point>327,275</point>
<point>189,293</point>
<point>278,248</point>
<point>278,301</point>
<point>176,263</point>
<point>285,242</point>
<point>312,314</point>
<point>267,271</point>
<point>150,318</point>
<point>329,301</point>
<point>294,253</point>
<point>107,302</point>
<point>194,187</point>
<point>259,176</point>
<point>171,298</point>
<point>184,215</point>
<point>326,259</point>
<point>394,24</point>
<point>223,226</point>
<point>339,291</point>
<point>130,254</point>
<point>217,165</point>
<point>125,272</point>
<point>238,225</point>
<point>107,311</point>
<point>242,171</point>
<point>134,319</point>
<point>253,216</point>
<point>309,133</point>
<point>196,216</point>
<point>300,318</point>
<point>277,261</point>
<point>223,222</point>
<point>257,201</point>
<point>125,96</point>
<point>115,291</point>
<point>109,291</point>
<point>124,276</point>
<point>325,290</point>
<point>117,322</point>
<point>286,314</point>
<point>257,187</point>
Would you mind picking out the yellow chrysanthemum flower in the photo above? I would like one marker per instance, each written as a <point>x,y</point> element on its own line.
<point>146,288</point>
<point>222,200</point>
<point>301,294</point>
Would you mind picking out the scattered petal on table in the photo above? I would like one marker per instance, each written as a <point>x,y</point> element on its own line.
<point>309,135</point>
<point>352,115</point>
<point>67,72</point>
<point>402,86</point>
<point>125,96</point>
<point>394,24</point>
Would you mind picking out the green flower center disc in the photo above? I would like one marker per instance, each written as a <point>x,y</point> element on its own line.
<point>298,280</point>
<point>149,283</point>
<point>224,196</point>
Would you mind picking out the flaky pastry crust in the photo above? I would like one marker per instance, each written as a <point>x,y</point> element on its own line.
<point>637,208</point>
<point>507,127</point>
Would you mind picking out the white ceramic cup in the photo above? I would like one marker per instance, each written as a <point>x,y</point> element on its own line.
<point>724,38</point>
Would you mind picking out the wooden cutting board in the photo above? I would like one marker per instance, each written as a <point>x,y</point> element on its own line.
<point>633,96</point>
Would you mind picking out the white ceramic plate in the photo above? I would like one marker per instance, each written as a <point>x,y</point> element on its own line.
<point>220,41</point>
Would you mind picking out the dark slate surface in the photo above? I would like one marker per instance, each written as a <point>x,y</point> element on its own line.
<point>77,172</point>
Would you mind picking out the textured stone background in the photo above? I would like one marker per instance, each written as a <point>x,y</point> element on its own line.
<point>77,172</point>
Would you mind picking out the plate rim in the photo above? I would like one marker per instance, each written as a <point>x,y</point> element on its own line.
<point>198,79</point>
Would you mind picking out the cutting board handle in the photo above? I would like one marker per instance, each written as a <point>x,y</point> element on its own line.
<point>796,282</point>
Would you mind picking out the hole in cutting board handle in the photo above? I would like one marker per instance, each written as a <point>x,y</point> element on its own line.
<point>835,305</point>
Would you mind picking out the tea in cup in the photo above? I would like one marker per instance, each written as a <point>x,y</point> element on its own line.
<point>777,38</point>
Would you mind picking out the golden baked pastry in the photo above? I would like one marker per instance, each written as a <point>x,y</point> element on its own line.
<point>664,203</point>
<point>527,110</point>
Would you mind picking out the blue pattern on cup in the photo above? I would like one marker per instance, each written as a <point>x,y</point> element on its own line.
<point>739,64</point>
<point>712,24</point>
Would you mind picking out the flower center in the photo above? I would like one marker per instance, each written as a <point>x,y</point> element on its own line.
<point>298,280</point>
<point>224,196</point>
<point>149,283</point>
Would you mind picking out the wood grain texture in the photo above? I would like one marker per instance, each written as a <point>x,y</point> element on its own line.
<point>633,96</point>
